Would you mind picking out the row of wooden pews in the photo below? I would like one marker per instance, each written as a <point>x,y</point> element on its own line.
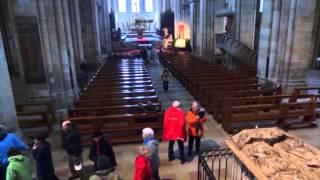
<point>235,96</point>
<point>119,101</point>
<point>36,118</point>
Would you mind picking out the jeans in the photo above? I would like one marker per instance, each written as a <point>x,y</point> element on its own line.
<point>181,150</point>
<point>190,144</point>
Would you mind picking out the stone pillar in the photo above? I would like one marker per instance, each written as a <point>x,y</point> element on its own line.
<point>56,65</point>
<point>264,39</point>
<point>89,33</point>
<point>70,51</point>
<point>247,22</point>
<point>8,115</point>
<point>206,29</point>
<point>106,23</point>
<point>286,39</point>
<point>76,33</point>
<point>64,51</point>
<point>192,25</point>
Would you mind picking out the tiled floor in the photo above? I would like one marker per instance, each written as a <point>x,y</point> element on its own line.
<point>214,137</point>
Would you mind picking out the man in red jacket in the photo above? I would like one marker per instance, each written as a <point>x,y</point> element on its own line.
<point>174,129</point>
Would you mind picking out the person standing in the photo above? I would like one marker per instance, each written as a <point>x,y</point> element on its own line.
<point>165,76</point>
<point>153,145</point>
<point>195,120</point>
<point>73,147</point>
<point>142,169</point>
<point>19,166</point>
<point>174,130</point>
<point>41,152</point>
<point>8,141</point>
<point>100,147</point>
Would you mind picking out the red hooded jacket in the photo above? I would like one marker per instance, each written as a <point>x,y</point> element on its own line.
<point>142,168</point>
<point>174,125</point>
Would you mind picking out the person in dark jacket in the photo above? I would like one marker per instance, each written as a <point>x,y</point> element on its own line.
<point>41,152</point>
<point>100,147</point>
<point>73,147</point>
<point>8,141</point>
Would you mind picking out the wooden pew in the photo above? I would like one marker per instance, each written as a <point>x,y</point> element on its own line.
<point>279,113</point>
<point>35,123</point>
<point>116,101</point>
<point>118,94</point>
<point>107,110</point>
<point>118,128</point>
<point>119,88</point>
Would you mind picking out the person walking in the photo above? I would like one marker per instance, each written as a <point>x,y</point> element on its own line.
<point>165,76</point>
<point>105,170</point>
<point>195,119</point>
<point>101,147</point>
<point>19,167</point>
<point>142,169</point>
<point>8,141</point>
<point>153,145</point>
<point>73,147</point>
<point>174,130</point>
<point>41,152</point>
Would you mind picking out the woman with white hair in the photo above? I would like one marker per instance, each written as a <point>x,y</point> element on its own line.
<point>153,145</point>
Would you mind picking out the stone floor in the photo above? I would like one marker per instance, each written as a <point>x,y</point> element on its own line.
<point>125,154</point>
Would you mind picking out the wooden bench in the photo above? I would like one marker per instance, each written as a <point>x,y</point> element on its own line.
<point>107,110</point>
<point>35,123</point>
<point>118,94</point>
<point>280,113</point>
<point>118,128</point>
<point>118,88</point>
<point>36,118</point>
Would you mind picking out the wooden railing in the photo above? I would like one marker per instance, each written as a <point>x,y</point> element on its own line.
<point>237,52</point>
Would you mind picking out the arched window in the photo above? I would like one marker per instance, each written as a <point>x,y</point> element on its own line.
<point>122,5</point>
<point>135,6</point>
<point>148,5</point>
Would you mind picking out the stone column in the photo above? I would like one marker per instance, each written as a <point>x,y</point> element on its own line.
<point>89,33</point>
<point>72,68</point>
<point>206,28</point>
<point>264,41</point>
<point>76,33</point>
<point>63,50</point>
<point>286,39</point>
<point>8,115</point>
<point>106,22</point>
<point>247,22</point>
<point>192,25</point>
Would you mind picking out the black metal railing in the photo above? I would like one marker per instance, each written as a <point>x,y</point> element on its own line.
<point>237,52</point>
<point>222,164</point>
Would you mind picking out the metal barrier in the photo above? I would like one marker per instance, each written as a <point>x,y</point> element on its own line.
<point>222,164</point>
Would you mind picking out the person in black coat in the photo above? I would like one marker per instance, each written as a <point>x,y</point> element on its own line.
<point>41,152</point>
<point>72,144</point>
<point>100,147</point>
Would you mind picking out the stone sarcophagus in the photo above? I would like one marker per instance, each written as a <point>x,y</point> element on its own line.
<point>272,154</point>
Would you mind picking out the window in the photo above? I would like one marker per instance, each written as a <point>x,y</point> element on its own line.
<point>135,6</point>
<point>122,5</point>
<point>148,5</point>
